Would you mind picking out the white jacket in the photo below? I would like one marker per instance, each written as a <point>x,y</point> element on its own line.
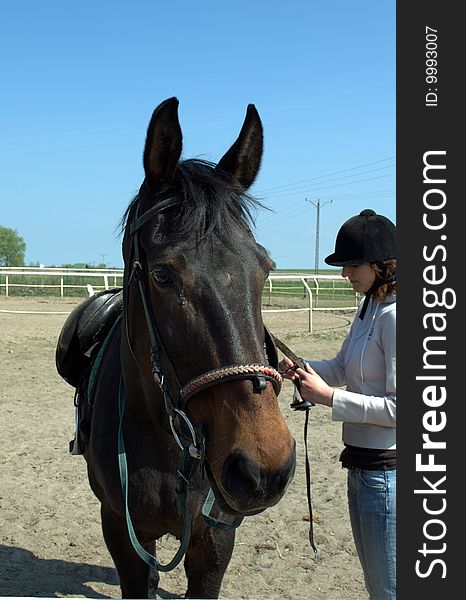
<point>366,364</point>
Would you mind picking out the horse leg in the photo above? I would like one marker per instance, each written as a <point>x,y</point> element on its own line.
<point>153,580</point>
<point>134,574</point>
<point>206,561</point>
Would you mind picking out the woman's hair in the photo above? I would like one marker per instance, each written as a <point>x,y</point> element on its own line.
<point>385,270</point>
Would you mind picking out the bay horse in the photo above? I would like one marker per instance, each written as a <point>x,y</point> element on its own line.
<point>185,398</point>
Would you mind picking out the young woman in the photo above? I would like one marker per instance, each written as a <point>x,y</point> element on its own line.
<point>366,365</point>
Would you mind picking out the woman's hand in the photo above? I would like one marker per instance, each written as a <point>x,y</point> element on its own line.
<point>313,387</point>
<point>287,368</point>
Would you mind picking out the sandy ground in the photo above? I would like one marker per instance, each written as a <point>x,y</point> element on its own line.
<point>50,538</point>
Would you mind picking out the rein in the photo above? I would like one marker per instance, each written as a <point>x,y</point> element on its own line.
<point>188,466</point>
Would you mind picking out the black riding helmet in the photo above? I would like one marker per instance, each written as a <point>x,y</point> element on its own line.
<point>365,238</point>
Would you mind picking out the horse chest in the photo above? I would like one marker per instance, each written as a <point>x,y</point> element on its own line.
<point>153,503</point>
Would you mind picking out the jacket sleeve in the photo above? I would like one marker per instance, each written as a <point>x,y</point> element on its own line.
<point>377,410</point>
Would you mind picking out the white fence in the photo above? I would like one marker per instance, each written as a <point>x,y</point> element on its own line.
<point>321,284</point>
<point>58,278</point>
<point>313,286</point>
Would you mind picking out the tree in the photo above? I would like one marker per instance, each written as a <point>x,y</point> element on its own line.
<point>12,248</point>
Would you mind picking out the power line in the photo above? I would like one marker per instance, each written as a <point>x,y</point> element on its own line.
<point>292,211</point>
<point>316,190</point>
<point>303,188</point>
<point>304,181</point>
<point>330,187</point>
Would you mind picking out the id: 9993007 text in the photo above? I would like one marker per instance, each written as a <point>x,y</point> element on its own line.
<point>431,98</point>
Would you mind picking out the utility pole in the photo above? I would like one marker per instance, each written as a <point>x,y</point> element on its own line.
<point>317,204</point>
<point>103,259</point>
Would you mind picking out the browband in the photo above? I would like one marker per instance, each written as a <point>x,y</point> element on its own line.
<point>160,207</point>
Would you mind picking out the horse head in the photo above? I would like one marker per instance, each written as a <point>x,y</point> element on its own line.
<point>202,274</point>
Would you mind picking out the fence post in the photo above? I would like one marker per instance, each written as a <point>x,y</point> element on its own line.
<point>311,316</point>
<point>6,286</point>
<point>309,291</point>
<point>316,283</point>
<point>61,287</point>
<point>270,292</point>
<point>106,281</point>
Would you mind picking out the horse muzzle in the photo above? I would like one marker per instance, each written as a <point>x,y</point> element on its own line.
<point>247,488</point>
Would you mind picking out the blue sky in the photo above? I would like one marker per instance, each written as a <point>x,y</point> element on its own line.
<point>80,81</point>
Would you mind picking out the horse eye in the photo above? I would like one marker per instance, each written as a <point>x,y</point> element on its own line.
<point>162,276</point>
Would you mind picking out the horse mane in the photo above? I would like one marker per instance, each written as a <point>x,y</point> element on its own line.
<point>211,203</point>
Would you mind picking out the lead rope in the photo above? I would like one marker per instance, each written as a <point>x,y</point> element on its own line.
<point>308,486</point>
<point>298,403</point>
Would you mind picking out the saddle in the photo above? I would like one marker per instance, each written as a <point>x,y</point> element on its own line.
<point>80,345</point>
<point>84,331</point>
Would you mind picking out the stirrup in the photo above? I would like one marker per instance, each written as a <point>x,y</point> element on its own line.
<point>76,447</point>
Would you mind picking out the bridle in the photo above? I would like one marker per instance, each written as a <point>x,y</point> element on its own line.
<point>193,453</point>
<point>175,404</point>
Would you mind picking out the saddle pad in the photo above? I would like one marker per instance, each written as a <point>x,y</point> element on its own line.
<point>86,326</point>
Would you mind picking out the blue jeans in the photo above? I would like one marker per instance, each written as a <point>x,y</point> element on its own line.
<point>372,508</point>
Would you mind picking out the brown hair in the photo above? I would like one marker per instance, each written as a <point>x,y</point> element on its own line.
<point>385,270</point>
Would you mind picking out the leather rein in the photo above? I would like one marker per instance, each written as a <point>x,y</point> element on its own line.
<point>298,403</point>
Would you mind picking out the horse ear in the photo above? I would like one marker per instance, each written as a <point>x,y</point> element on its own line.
<point>243,159</point>
<point>163,144</point>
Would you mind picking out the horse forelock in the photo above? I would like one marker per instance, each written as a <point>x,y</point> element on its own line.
<point>211,203</point>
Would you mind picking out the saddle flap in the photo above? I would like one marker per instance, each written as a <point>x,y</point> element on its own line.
<point>87,325</point>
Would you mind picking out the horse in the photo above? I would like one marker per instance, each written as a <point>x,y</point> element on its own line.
<point>185,411</point>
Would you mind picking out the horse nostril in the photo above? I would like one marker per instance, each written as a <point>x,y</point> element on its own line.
<point>241,477</point>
